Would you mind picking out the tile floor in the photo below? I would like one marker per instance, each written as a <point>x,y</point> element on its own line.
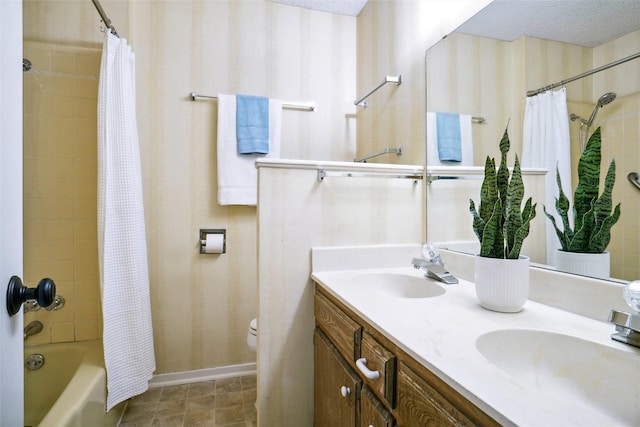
<point>227,402</point>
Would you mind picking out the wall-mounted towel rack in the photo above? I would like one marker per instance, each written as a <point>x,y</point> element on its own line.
<point>387,150</point>
<point>387,79</point>
<point>322,174</point>
<point>633,178</point>
<point>435,173</point>
<point>285,104</point>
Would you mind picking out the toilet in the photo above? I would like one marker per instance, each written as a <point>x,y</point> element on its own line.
<point>252,335</point>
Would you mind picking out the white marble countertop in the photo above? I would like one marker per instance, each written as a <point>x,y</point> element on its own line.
<point>441,333</point>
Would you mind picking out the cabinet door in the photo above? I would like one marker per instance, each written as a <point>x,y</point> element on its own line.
<point>419,405</point>
<point>378,366</point>
<point>336,386</point>
<point>372,412</point>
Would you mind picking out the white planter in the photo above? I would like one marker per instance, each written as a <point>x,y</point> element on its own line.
<point>592,265</point>
<point>502,284</point>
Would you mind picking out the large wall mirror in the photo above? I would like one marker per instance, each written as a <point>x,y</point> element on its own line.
<point>484,70</point>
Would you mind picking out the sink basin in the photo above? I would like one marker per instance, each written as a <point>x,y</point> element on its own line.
<point>398,285</point>
<point>562,366</point>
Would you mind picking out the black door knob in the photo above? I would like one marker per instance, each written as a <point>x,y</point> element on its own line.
<point>17,293</point>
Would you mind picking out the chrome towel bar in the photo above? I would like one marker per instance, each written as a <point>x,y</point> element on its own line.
<point>322,174</point>
<point>387,79</point>
<point>286,105</point>
<point>387,150</point>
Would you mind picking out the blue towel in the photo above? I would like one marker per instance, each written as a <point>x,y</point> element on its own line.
<point>252,124</point>
<point>449,140</point>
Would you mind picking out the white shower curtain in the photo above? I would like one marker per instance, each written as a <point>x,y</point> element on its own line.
<point>546,144</point>
<point>124,275</point>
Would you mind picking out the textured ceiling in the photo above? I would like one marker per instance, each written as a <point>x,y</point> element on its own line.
<point>582,22</point>
<point>340,7</point>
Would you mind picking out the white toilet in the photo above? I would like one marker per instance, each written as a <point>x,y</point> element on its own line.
<point>252,335</point>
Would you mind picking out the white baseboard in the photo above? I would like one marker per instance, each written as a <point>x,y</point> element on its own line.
<point>200,375</point>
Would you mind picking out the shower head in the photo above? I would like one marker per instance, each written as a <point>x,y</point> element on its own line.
<point>605,99</point>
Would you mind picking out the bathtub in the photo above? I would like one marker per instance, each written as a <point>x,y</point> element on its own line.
<point>69,389</point>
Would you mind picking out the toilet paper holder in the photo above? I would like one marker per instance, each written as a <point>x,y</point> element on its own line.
<point>203,238</point>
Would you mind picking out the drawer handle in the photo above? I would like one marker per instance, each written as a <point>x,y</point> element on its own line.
<point>362,365</point>
<point>345,391</point>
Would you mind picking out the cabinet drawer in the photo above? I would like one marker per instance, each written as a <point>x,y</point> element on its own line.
<point>343,331</point>
<point>378,367</point>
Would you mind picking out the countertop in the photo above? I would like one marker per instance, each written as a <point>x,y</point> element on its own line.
<point>441,333</point>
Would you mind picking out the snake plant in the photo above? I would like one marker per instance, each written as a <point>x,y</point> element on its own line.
<point>500,225</point>
<point>592,217</point>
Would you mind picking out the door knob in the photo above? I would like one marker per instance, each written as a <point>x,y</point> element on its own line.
<point>17,293</point>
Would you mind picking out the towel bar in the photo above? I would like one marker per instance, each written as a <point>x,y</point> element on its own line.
<point>322,174</point>
<point>287,105</point>
<point>387,79</point>
<point>387,150</point>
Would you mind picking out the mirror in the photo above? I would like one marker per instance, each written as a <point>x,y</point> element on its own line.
<point>485,68</point>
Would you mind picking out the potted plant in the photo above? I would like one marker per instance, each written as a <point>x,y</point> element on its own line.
<point>501,274</point>
<point>584,246</point>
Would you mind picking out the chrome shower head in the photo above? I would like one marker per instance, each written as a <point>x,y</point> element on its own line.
<point>605,99</point>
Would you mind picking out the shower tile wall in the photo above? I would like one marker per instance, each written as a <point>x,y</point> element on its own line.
<point>60,187</point>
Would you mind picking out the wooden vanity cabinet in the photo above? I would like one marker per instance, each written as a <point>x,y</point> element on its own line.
<point>405,394</point>
<point>336,386</point>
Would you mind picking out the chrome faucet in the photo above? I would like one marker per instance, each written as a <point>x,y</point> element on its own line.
<point>32,328</point>
<point>628,324</point>
<point>433,265</point>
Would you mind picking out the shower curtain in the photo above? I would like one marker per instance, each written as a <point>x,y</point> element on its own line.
<point>124,275</point>
<point>546,144</point>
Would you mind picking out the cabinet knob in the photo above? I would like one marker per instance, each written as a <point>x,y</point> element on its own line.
<point>362,366</point>
<point>345,391</point>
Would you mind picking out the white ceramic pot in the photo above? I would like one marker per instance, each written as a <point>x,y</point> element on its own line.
<point>502,284</point>
<point>592,265</point>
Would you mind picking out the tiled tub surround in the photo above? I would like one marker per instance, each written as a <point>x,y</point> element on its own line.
<point>441,333</point>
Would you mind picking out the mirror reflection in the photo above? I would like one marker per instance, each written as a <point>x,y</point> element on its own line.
<point>485,70</point>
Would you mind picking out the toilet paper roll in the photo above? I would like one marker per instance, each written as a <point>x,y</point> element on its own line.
<point>214,244</point>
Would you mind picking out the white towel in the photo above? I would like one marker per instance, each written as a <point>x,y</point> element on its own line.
<point>466,135</point>
<point>122,242</point>
<point>237,174</point>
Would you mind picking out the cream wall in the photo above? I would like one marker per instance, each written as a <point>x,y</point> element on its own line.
<point>201,305</point>
<point>392,39</point>
<point>296,213</point>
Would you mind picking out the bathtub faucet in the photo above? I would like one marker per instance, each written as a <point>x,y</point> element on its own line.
<point>32,328</point>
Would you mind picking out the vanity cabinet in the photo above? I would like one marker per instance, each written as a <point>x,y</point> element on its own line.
<point>390,388</point>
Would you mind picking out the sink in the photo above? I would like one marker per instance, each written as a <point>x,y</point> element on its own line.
<point>398,285</point>
<point>562,366</point>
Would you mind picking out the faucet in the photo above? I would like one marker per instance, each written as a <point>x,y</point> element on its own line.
<point>628,324</point>
<point>32,328</point>
<point>432,263</point>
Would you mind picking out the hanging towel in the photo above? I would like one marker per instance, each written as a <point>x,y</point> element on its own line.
<point>252,124</point>
<point>466,141</point>
<point>448,131</point>
<point>122,243</point>
<point>237,174</point>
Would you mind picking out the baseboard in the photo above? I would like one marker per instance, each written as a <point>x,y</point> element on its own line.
<point>200,375</point>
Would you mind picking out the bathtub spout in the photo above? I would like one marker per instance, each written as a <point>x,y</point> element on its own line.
<point>32,328</point>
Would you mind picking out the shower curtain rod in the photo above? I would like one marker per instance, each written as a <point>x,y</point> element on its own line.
<point>585,74</point>
<point>105,18</point>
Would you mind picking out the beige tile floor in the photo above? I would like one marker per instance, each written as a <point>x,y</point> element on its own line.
<point>228,402</point>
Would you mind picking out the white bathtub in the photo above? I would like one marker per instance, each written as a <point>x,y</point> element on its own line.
<point>69,389</point>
